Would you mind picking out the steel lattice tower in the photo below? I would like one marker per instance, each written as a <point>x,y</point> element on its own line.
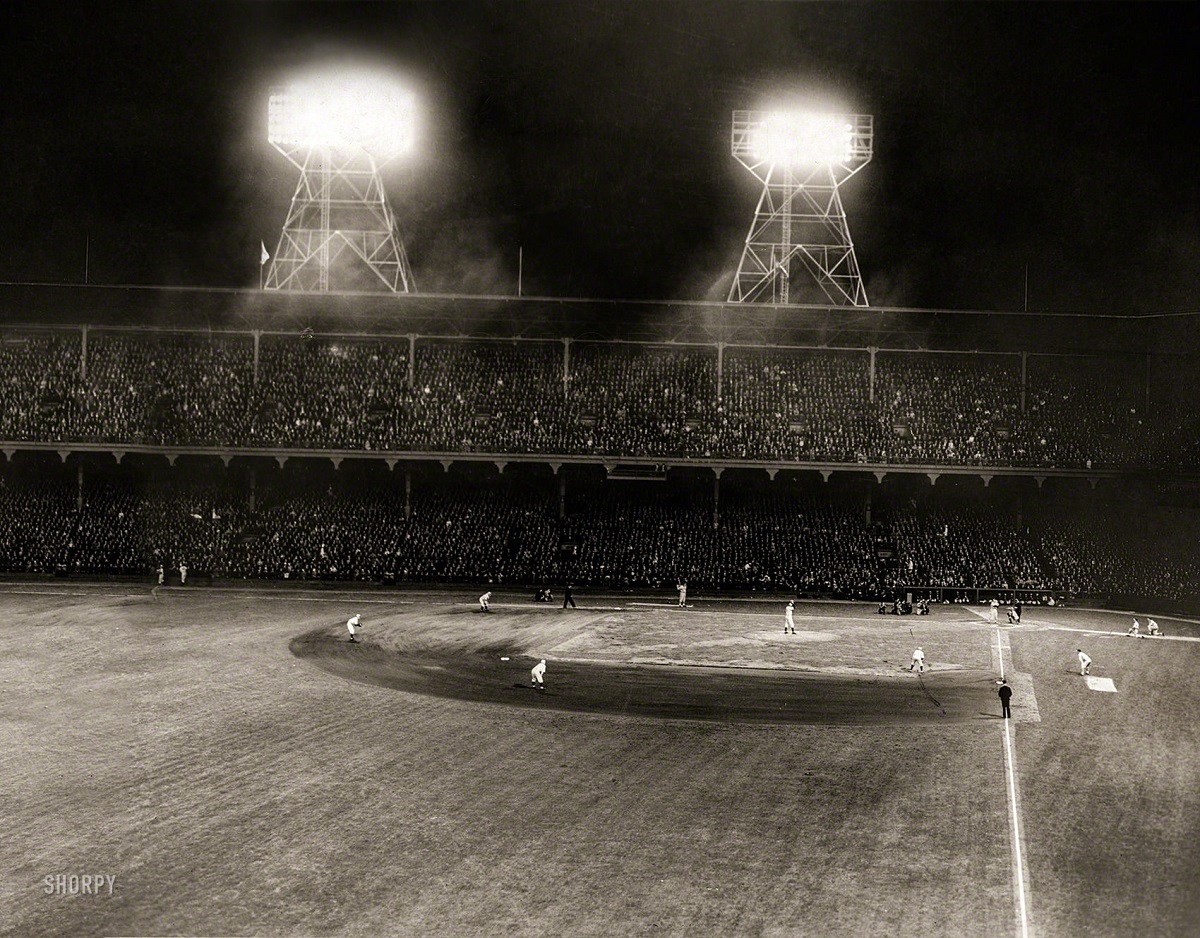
<point>800,222</point>
<point>340,232</point>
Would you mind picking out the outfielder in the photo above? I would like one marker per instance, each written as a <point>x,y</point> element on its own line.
<point>1135,629</point>
<point>787,617</point>
<point>1152,627</point>
<point>539,673</point>
<point>353,624</point>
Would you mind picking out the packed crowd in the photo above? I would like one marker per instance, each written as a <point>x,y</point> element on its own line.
<point>317,394</point>
<point>810,406</point>
<point>1090,554</point>
<point>634,400</point>
<point>971,546</point>
<point>594,398</point>
<point>308,522</point>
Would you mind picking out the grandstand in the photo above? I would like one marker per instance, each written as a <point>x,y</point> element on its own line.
<point>367,438</point>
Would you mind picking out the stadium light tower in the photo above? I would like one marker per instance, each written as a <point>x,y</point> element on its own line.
<point>801,158</point>
<point>339,131</point>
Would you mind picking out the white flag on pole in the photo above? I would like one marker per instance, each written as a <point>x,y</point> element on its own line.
<point>265,256</point>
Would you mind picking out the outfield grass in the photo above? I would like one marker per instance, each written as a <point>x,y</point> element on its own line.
<point>234,789</point>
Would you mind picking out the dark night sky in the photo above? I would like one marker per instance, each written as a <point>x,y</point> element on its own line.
<point>595,135</point>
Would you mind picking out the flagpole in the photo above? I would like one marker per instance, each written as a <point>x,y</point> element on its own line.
<point>520,266</point>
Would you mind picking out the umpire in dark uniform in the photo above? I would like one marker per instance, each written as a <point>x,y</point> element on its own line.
<point>569,597</point>
<point>1005,693</point>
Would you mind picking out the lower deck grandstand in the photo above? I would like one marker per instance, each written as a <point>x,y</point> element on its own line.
<point>849,537</point>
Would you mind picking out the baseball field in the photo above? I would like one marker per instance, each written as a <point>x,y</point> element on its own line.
<point>202,761</point>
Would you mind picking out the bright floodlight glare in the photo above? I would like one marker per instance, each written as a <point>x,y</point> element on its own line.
<point>343,113</point>
<point>803,139</point>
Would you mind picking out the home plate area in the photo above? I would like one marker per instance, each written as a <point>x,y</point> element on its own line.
<point>1101,683</point>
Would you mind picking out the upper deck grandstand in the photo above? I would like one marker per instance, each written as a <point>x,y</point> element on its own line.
<point>227,371</point>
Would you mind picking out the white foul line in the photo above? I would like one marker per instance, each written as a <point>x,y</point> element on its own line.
<point>1012,801</point>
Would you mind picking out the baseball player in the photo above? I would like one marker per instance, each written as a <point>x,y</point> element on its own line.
<point>918,661</point>
<point>353,624</point>
<point>1152,627</point>
<point>1135,630</point>
<point>539,674</point>
<point>788,624</point>
<point>485,602</point>
<point>1085,663</point>
<point>682,587</point>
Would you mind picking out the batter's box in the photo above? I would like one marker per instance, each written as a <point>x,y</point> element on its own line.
<point>1101,683</point>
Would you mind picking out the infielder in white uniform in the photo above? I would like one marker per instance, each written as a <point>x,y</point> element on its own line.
<point>539,674</point>
<point>485,602</point>
<point>787,618</point>
<point>353,625</point>
<point>1085,663</point>
<point>918,661</point>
